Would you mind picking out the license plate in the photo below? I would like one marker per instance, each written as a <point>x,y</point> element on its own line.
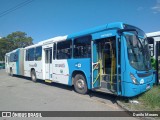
<point>148,87</point>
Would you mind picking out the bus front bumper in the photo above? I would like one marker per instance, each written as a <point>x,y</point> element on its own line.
<point>131,90</point>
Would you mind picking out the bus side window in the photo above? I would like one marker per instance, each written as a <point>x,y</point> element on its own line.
<point>82,47</point>
<point>54,51</point>
<point>64,50</point>
<point>48,55</point>
<point>26,55</point>
<point>46,58</point>
<point>30,54</point>
<point>38,53</point>
<point>15,57</point>
<point>11,57</point>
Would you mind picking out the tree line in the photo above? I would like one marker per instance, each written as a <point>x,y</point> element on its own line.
<point>13,41</point>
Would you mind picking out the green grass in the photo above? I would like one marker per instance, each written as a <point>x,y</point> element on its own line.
<point>149,100</point>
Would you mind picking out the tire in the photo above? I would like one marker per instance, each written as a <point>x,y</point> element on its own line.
<point>33,76</point>
<point>11,72</point>
<point>80,85</point>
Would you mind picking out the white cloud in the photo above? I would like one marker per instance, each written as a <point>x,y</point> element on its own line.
<point>156,8</point>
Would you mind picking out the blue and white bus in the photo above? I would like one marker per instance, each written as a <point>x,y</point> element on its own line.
<point>14,62</point>
<point>112,58</point>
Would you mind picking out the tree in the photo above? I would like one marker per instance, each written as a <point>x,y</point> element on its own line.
<point>13,41</point>
<point>19,39</point>
<point>5,46</point>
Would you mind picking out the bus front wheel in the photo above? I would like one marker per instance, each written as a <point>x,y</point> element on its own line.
<point>80,85</point>
<point>33,76</point>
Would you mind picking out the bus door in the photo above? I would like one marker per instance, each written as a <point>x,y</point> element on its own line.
<point>95,66</point>
<point>48,64</point>
<point>105,65</point>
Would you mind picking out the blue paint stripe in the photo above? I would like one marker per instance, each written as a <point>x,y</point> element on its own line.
<point>17,62</point>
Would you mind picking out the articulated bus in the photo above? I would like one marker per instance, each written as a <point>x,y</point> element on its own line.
<point>112,58</point>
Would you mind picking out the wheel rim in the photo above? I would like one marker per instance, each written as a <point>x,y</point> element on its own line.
<point>33,77</point>
<point>11,73</point>
<point>80,84</point>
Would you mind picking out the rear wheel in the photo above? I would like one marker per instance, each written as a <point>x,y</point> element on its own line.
<point>33,76</point>
<point>80,85</point>
<point>11,72</point>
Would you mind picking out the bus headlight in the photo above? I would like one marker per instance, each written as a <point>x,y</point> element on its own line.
<point>134,80</point>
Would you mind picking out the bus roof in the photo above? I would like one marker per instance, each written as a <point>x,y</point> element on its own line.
<point>55,39</point>
<point>13,51</point>
<point>116,25</point>
<point>153,34</point>
<point>51,40</point>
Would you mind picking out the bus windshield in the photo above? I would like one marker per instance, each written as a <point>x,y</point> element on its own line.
<point>138,52</point>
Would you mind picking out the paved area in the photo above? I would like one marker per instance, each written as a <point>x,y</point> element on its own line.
<point>21,94</point>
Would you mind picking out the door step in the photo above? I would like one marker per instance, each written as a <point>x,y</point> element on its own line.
<point>104,90</point>
<point>108,86</point>
<point>48,81</point>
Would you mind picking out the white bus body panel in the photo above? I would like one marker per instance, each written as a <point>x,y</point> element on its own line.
<point>36,65</point>
<point>40,67</point>
<point>13,66</point>
<point>60,71</point>
<point>156,37</point>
